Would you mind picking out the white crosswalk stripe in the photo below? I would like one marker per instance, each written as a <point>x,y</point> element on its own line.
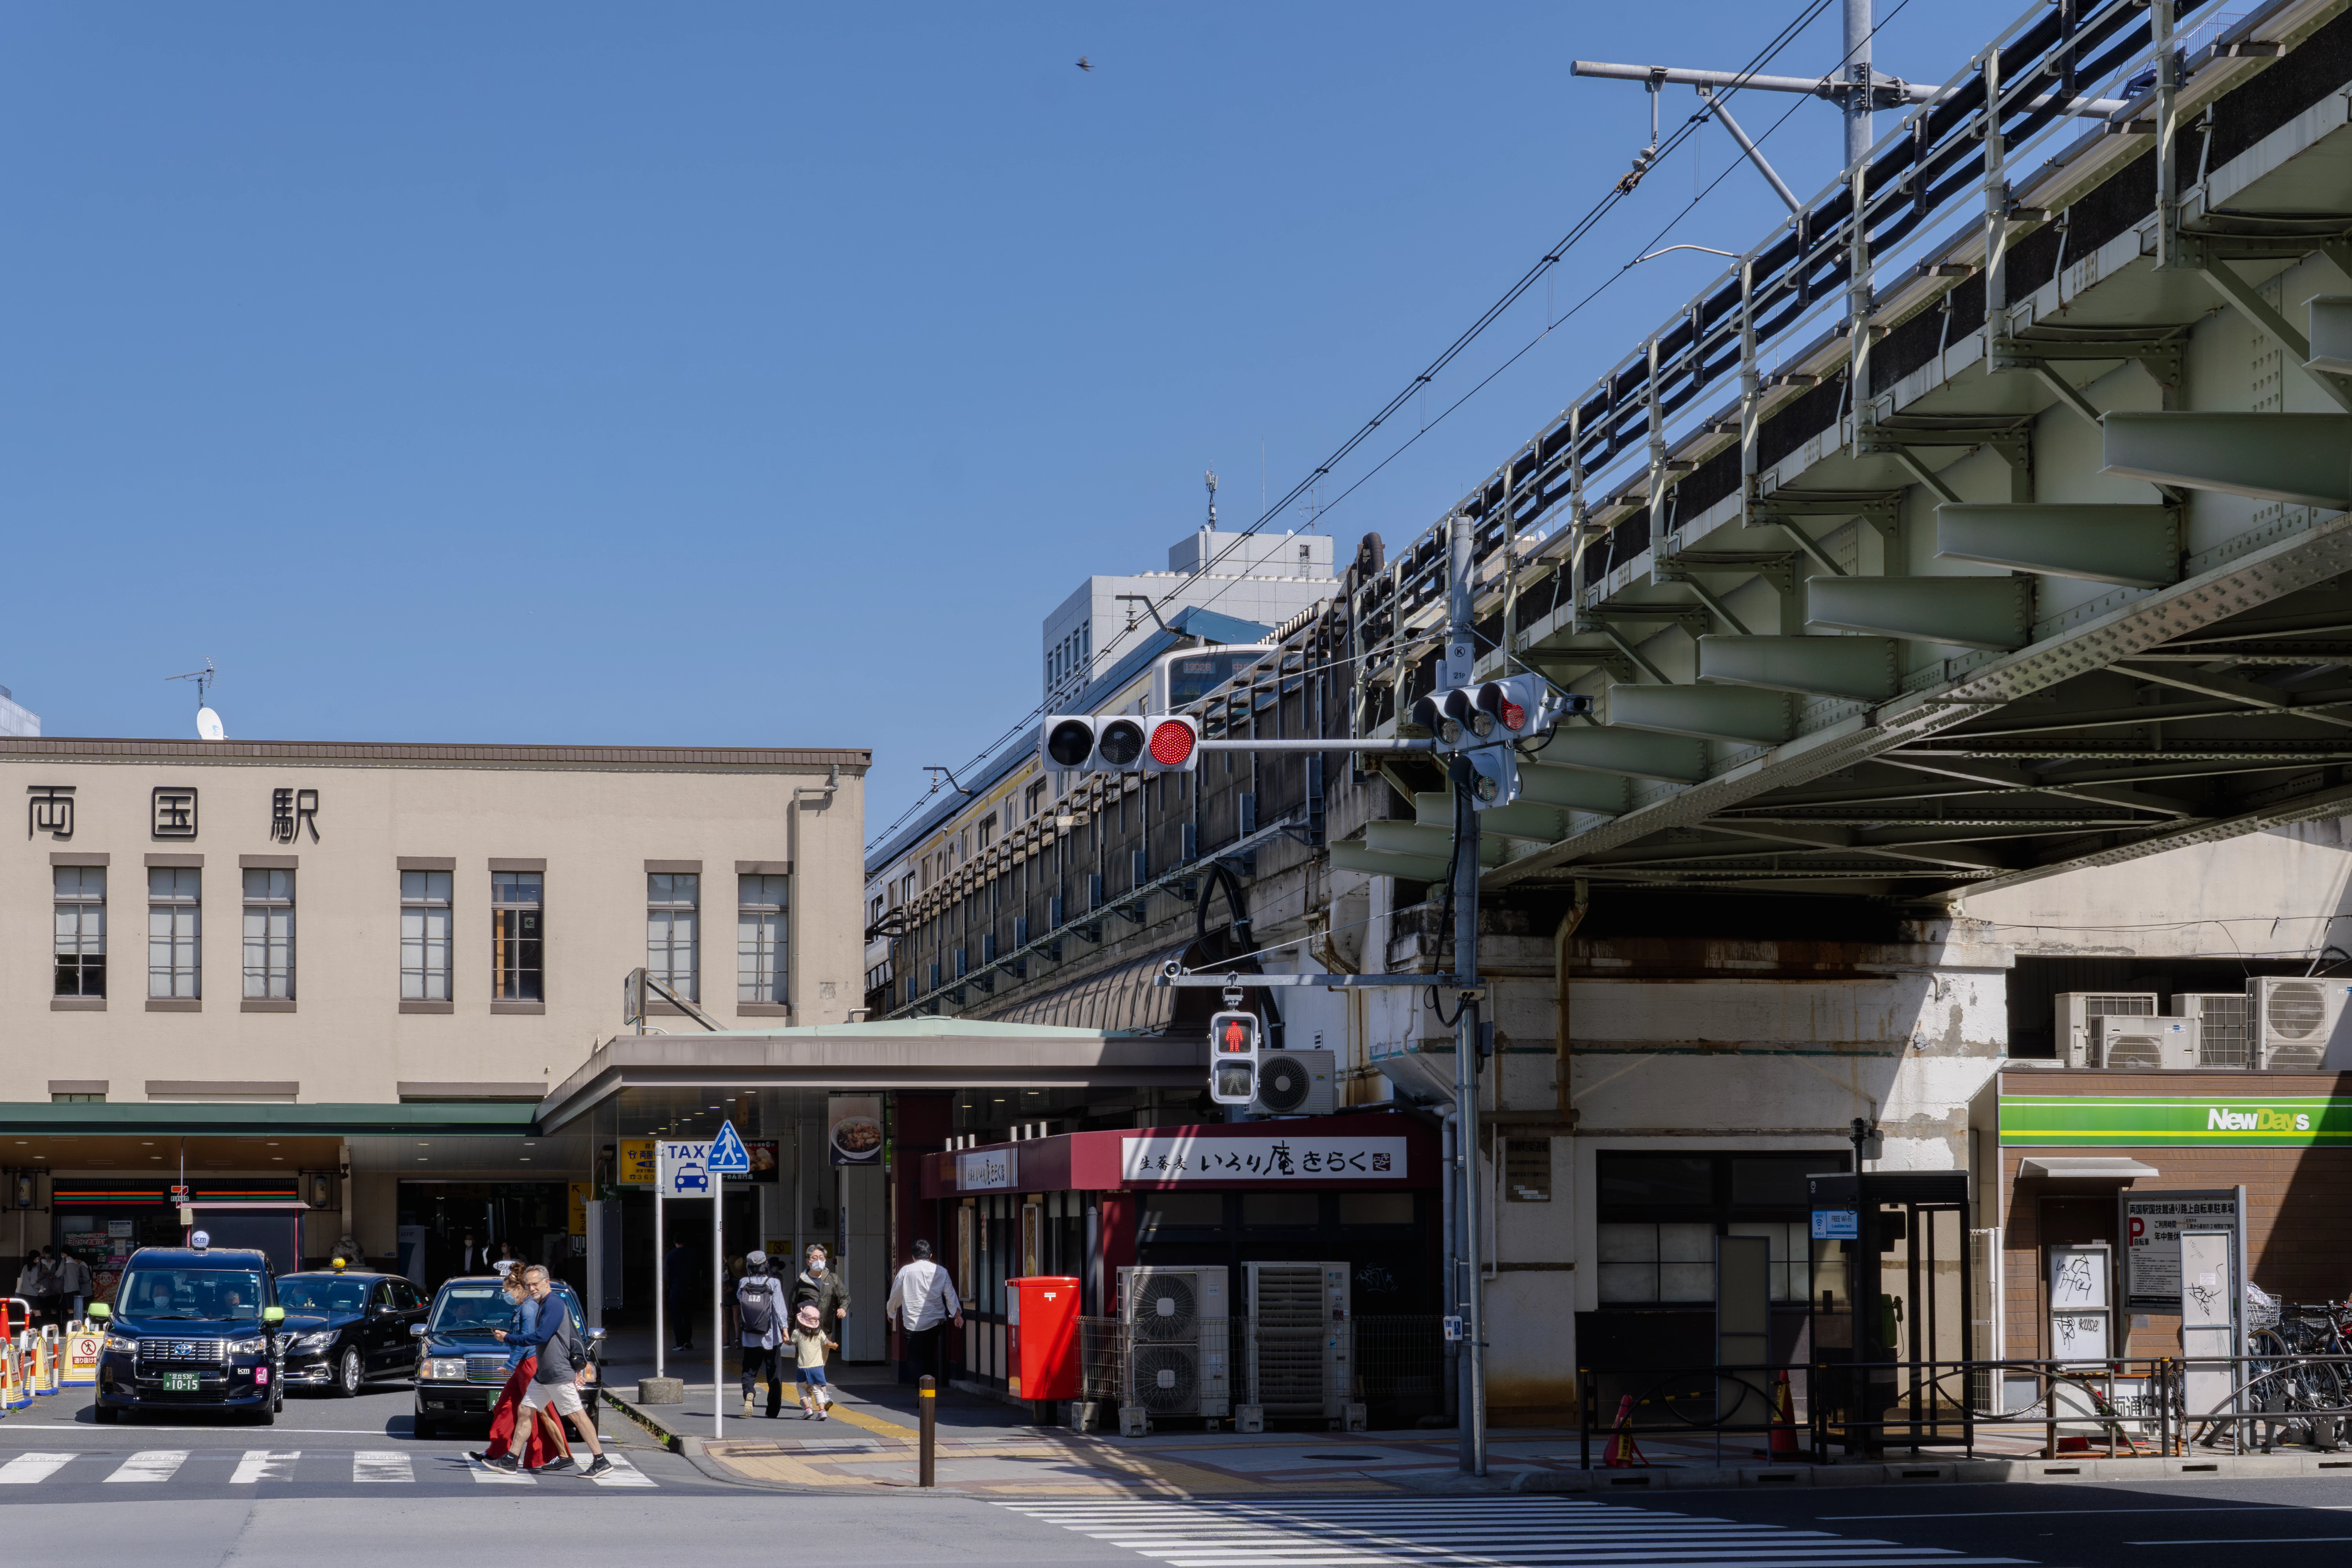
<point>624,1474</point>
<point>149,1464</point>
<point>1470,1532</point>
<point>491,1476</point>
<point>27,1469</point>
<point>261,1465</point>
<point>389,1465</point>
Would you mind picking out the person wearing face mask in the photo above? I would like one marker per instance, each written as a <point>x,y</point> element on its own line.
<point>821,1285</point>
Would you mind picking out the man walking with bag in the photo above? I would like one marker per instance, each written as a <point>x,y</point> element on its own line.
<point>562,1352</point>
<point>763,1309</point>
<point>922,1302</point>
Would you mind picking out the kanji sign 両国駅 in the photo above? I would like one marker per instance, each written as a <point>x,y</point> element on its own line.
<point>1223,1159</point>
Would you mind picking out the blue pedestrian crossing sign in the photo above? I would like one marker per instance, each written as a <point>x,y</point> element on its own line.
<point>727,1155</point>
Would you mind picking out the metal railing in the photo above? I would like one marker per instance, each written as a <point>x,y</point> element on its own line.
<point>2163,1406</point>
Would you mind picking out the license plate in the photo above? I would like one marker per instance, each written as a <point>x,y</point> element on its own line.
<point>179,1382</point>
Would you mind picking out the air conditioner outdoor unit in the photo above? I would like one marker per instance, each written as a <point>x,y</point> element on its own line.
<point>1175,1336</point>
<point>2296,1023</point>
<point>2122,1040</point>
<point>2077,1008</point>
<point>2225,1039</point>
<point>1297,1083</point>
<point>1299,1354</point>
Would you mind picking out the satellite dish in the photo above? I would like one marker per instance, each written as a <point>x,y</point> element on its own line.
<point>208,726</point>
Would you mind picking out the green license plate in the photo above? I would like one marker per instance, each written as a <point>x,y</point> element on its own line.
<point>179,1382</point>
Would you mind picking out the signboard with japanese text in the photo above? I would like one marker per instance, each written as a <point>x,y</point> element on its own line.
<point>635,1164</point>
<point>986,1169</point>
<point>2152,1224</point>
<point>1212,1158</point>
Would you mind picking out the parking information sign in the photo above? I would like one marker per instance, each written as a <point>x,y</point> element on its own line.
<point>685,1169</point>
<point>727,1155</point>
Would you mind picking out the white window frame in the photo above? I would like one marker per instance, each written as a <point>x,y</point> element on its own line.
<point>80,895</point>
<point>269,934</point>
<point>673,931</point>
<point>764,940</point>
<point>427,922</point>
<point>175,932</point>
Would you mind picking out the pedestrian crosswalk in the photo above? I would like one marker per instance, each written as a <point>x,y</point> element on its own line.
<point>1450,1532</point>
<point>255,1467</point>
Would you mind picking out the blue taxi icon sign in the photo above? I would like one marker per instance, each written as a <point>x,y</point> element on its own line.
<point>727,1155</point>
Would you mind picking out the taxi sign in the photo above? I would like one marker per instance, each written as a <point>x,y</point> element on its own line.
<point>685,1169</point>
<point>727,1155</point>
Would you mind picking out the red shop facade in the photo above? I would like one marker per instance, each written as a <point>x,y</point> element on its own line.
<point>1362,1189</point>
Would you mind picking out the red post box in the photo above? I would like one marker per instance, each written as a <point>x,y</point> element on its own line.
<point>1043,1328</point>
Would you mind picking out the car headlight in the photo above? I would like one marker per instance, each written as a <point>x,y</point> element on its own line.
<point>447,1368</point>
<point>253,1346</point>
<point>122,1343</point>
<point>317,1341</point>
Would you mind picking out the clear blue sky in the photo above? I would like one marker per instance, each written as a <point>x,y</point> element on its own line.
<point>753,374</point>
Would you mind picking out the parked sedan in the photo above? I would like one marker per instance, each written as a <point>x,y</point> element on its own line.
<point>345,1328</point>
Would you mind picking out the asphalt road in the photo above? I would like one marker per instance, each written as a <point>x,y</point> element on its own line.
<point>339,1480</point>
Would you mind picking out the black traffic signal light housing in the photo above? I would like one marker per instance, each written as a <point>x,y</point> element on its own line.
<point>1484,723</point>
<point>1090,742</point>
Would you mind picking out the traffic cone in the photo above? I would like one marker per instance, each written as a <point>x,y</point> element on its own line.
<point>1784,1420</point>
<point>1623,1453</point>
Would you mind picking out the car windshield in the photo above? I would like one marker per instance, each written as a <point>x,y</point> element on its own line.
<point>322,1295</point>
<point>471,1307</point>
<point>212,1294</point>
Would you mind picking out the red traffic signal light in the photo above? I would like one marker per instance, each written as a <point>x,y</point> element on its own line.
<point>1234,1034</point>
<point>1233,1057</point>
<point>1175,744</point>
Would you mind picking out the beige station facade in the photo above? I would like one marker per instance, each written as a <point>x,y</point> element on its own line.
<point>334,980</point>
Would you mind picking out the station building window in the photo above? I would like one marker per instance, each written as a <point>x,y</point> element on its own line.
<point>518,928</point>
<point>425,936</point>
<point>80,893</point>
<point>268,935</point>
<point>175,930</point>
<point>671,907</point>
<point>762,972</point>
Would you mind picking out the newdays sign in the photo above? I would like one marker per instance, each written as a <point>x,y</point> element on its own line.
<point>2092,1121</point>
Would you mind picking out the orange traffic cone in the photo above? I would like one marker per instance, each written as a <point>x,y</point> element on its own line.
<point>1784,1420</point>
<point>1623,1454</point>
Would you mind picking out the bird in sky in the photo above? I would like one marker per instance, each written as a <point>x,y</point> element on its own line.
<point>1083,64</point>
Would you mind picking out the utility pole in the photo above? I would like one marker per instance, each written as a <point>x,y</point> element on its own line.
<point>1457,671</point>
<point>1859,90</point>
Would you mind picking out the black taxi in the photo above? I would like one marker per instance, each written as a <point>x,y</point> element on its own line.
<point>191,1327</point>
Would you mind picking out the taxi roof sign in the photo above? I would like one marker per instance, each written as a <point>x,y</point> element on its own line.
<point>727,1155</point>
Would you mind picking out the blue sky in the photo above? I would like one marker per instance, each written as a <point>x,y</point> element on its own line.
<point>755,375</point>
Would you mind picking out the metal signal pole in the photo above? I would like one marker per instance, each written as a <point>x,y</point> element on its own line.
<point>1460,658</point>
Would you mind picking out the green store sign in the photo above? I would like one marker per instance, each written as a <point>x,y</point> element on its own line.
<point>2082,1120</point>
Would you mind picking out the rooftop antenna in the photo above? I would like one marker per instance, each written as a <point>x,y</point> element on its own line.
<point>208,724</point>
<point>1213,500</point>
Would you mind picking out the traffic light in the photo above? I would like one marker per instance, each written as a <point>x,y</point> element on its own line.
<point>1121,743</point>
<point>1233,1057</point>
<point>1173,744</point>
<point>1091,743</point>
<point>1484,723</point>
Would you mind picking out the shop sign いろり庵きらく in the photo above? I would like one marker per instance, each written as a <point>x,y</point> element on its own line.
<point>1305,1159</point>
<point>2062,1121</point>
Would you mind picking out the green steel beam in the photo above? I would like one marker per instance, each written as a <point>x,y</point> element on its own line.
<point>1710,713</point>
<point>2304,459</point>
<point>1414,868</point>
<point>1431,843</point>
<point>1572,789</point>
<point>1526,819</point>
<point>1963,612</point>
<point>2331,335</point>
<point>1860,669</point>
<point>1634,752</point>
<point>2137,546</point>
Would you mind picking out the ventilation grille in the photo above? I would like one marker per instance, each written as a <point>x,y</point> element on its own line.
<point>2296,1010</point>
<point>1288,1298</point>
<point>2133,1052</point>
<point>1283,1083</point>
<point>1167,1379</point>
<point>1165,1309</point>
<point>2226,1038</point>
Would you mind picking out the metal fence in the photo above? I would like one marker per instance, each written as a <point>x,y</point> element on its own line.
<point>2151,1406</point>
<point>1394,1366</point>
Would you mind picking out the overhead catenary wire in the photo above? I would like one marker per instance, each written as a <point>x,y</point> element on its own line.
<point>1404,397</point>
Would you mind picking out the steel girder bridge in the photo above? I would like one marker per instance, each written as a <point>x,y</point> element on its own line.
<point>1986,521</point>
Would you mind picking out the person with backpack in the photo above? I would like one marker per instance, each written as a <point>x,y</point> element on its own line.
<point>563,1351</point>
<point>763,1306</point>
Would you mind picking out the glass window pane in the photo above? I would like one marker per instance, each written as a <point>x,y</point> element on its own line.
<point>1629,1282</point>
<point>1687,1244</point>
<point>1628,1243</point>
<point>1686,1282</point>
<point>1657,1179</point>
<point>412,884</point>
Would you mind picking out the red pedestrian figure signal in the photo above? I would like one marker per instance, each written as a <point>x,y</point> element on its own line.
<point>1233,1057</point>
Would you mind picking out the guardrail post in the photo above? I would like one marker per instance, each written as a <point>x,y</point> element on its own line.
<point>927,1465</point>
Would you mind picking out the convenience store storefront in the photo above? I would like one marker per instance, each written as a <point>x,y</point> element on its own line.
<point>2092,1161</point>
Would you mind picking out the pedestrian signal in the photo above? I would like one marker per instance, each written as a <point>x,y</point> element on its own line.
<point>1233,1057</point>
